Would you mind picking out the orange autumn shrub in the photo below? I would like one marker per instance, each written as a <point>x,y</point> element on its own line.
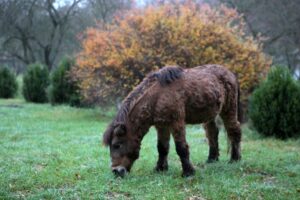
<point>114,59</point>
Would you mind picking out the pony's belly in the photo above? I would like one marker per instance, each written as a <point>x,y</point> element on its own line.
<point>201,115</point>
<point>203,106</point>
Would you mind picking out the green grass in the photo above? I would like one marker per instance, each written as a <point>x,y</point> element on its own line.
<point>56,152</point>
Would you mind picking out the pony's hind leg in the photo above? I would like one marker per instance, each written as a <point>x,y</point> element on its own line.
<point>163,139</point>
<point>212,133</point>
<point>182,149</point>
<point>234,134</point>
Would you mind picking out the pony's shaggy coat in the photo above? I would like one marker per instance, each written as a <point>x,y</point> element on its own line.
<point>169,99</point>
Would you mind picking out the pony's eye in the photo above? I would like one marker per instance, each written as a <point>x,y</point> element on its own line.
<point>117,146</point>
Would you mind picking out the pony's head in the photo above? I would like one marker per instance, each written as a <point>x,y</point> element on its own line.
<point>124,147</point>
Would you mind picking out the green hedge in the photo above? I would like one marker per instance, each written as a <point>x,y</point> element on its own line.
<point>8,83</point>
<point>62,88</point>
<point>275,105</point>
<point>35,83</point>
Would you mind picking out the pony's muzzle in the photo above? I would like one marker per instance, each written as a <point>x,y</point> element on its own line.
<point>119,171</point>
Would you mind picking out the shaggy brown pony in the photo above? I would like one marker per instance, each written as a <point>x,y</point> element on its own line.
<point>169,99</point>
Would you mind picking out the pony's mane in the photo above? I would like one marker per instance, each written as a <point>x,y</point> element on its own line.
<point>164,76</point>
<point>132,98</point>
<point>168,75</point>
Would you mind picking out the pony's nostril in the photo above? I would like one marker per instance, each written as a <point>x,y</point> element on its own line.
<point>115,171</point>
<point>119,171</point>
<point>122,171</point>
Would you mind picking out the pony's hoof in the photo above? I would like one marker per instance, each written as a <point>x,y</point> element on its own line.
<point>161,168</point>
<point>188,173</point>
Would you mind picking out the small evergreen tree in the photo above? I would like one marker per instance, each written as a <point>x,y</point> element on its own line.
<point>8,83</point>
<point>275,105</point>
<point>35,83</point>
<point>63,89</point>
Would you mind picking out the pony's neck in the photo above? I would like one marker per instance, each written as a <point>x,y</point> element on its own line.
<point>140,118</point>
<point>141,131</point>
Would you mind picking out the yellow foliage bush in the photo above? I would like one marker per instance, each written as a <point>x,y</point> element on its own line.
<point>116,58</point>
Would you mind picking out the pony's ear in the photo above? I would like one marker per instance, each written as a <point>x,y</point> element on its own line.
<point>107,136</point>
<point>120,130</point>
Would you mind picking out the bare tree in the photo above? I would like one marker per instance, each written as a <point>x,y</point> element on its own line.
<point>34,30</point>
<point>44,30</point>
<point>279,23</point>
<point>104,10</point>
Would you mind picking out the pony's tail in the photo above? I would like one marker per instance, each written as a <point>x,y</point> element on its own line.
<point>239,104</point>
<point>239,112</point>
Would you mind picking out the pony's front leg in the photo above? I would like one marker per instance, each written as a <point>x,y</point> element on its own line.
<point>182,149</point>
<point>163,139</point>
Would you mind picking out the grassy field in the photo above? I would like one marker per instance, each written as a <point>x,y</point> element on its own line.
<point>56,153</point>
